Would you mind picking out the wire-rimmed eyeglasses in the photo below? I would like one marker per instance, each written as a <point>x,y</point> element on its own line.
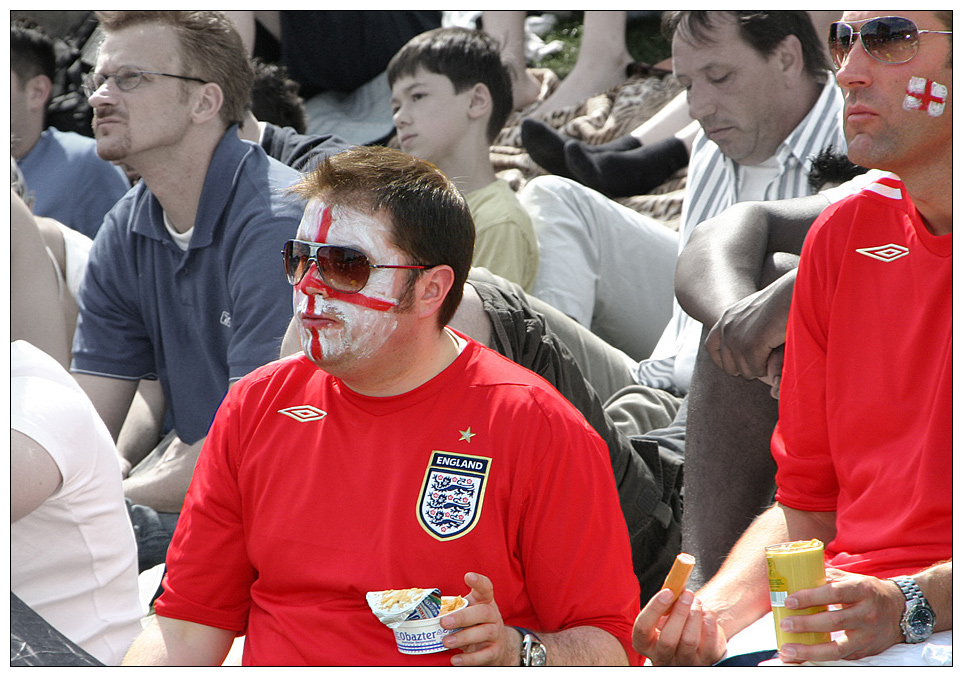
<point>127,78</point>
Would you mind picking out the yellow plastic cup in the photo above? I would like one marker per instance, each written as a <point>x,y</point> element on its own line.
<point>795,566</point>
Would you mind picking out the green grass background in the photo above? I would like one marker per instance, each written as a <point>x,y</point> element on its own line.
<point>643,38</point>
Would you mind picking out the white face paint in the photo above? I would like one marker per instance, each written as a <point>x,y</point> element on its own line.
<point>925,95</point>
<point>335,327</point>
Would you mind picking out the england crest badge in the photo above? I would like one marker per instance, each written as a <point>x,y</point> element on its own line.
<point>452,495</point>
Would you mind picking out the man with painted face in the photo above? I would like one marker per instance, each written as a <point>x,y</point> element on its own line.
<point>863,446</point>
<point>175,288</point>
<point>329,474</point>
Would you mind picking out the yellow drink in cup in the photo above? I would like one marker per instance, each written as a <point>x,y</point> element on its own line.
<point>792,567</point>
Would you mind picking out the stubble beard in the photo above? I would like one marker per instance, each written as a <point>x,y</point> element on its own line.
<point>113,147</point>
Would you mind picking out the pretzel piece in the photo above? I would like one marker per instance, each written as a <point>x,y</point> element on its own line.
<point>679,574</point>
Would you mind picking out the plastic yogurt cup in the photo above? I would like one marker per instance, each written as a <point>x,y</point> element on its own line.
<point>425,635</point>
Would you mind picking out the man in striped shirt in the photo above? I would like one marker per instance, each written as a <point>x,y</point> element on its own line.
<point>760,86</point>
<point>864,437</point>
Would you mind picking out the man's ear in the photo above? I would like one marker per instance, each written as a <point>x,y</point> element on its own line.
<point>208,100</point>
<point>433,287</point>
<point>480,101</point>
<point>39,88</point>
<point>789,53</point>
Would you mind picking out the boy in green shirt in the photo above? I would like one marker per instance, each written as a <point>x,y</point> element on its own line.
<point>450,96</point>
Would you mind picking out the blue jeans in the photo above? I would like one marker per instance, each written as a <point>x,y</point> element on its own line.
<point>153,532</point>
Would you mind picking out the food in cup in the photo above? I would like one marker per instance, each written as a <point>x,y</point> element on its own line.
<point>416,632</point>
<point>393,607</point>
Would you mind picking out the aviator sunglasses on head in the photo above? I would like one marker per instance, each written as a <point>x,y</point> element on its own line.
<point>342,268</point>
<point>890,39</point>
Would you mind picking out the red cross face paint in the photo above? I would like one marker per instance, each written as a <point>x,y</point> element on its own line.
<point>336,327</point>
<point>925,95</point>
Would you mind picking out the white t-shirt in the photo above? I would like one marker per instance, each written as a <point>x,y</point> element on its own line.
<point>77,250</point>
<point>73,560</point>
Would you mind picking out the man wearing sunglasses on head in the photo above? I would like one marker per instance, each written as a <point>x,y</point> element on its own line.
<point>391,453</point>
<point>175,289</point>
<point>863,446</point>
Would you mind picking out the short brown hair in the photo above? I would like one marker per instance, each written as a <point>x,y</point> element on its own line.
<point>945,17</point>
<point>430,219</point>
<point>464,56</point>
<point>32,50</point>
<point>210,49</point>
<point>763,30</point>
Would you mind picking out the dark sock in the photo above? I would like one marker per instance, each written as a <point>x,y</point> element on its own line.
<point>628,172</point>
<point>545,146</point>
<point>627,142</point>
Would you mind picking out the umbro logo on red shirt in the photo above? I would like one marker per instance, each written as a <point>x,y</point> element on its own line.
<point>304,413</point>
<point>885,253</point>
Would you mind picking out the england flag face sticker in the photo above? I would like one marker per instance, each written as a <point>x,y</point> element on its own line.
<point>452,494</point>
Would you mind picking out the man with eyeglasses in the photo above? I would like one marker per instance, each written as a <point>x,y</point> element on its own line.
<point>176,289</point>
<point>863,446</point>
<point>393,453</point>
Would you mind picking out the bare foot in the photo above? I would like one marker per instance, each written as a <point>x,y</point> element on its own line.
<point>525,89</point>
<point>585,81</point>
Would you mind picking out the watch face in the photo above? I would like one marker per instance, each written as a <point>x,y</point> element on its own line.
<point>920,622</point>
<point>539,655</point>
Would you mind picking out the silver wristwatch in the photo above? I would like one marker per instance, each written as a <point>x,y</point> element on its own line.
<point>533,653</point>
<point>919,618</point>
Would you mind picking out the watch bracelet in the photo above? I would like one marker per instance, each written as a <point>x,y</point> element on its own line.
<point>913,596</point>
<point>522,652</point>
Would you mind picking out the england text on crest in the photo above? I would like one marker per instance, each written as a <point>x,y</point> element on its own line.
<point>452,494</point>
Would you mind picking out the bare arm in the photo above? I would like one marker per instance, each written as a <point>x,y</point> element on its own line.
<point>111,398</point>
<point>486,640</point>
<point>33,473</point>
<point>723,260</point>
<point>245,22</point>
<point>697,626</point>
<point>736,276</point>
<point>937,585</point>
<point>585,645</point>
<point>739,592</point>
<point>168,641</point>
<point>164,484</point>
<point>743,341</point>
<point>36,312</point>
<point>143,425</point>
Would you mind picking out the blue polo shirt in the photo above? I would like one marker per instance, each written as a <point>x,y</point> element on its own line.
<point>195,319</point>
<point>69,182</point>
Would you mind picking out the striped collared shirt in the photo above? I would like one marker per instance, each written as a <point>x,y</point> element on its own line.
<point>713,187</point>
